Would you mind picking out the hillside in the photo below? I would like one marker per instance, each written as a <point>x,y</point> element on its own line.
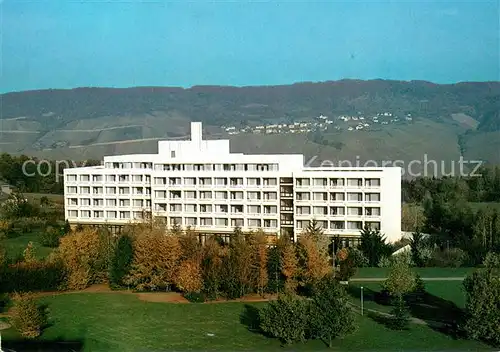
<point>446,120</point>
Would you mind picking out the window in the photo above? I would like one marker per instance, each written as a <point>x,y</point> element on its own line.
<point>354,225</point>
<point>160,194</point>
<point>163,207</point>
<point>190,208</point>
<point>220,195</point>
<point>205,181</point>
<point>303,182</point>
<point>97,190</point>
<point>191,221</point>
<point>175,221</point>
<point>205,208</point>
<point>236,195</point>
<point>219,181</point>
<point>302,224</point>
<point>372,197</point>
<point>73,213</point>
<point>337,225</point>
<point>254,223</point>
<point>110,178</point>
<point>138,203</point>
<point>111,214</point>
<point>205,195</point>
<point>110,190</point>
<point>98,214</point>
<point>372,211</point>
<point>236,209</point>
<point>123,190</point>
<point>85,190</point>
<point>270,195</point>
<point>98,202</point>
<point>337,182</point>
<point>337,197</point>
<point>221,222</point>
<point>72,201</point>
<point>206,221</point>
<point>175,194</point>
<point>320,182</point>
<point>72,189</point>
<point>303,196</point>
<point>221,208</point>
<point>190,181</point>
<point>97,178</point>
<point>253,195</point>
<point>320,196</point>
<point>337,211</point>
<point>138,215</point>
<point>270,223</point>
<point>137,178</point>
<point>190,194</point>
<point>175,208</point>
<point>172,153</point>
<point>253,209</point>
<point>354,182</point>
<point>270,209</point>
<point>123,178</point>
<point>303,210</point>
<point>85,213</point>
<point>237,222</point>
<point>253,181</point>
<point>236,181</point>
<point>111,202</point>
<point>174,181</point>
<point>71,178</point>
<point>320,211</point>
<point>270,182</point>
<point>355,197</point>
<point>354,211</point>
<point>124,202</point>
<point>85,202</point>
<point>372,182</point>
<point>84,178</point>
<point>160,180</point>
<point>374,225</point>
<point>138,190</point>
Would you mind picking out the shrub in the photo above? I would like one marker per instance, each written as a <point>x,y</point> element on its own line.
<point>418,293</point>
<point>400,314</point>
<point>453,257</point>
<point>189,276</point>
<point>28,318</point>
<point>195,297</point>
<point>50,237</point>
<point>359,259</point>
<point>35,276</point>
<point>330,314</point>
<point>405,257</point>
<point>384,262</point>
<point>347,268</point>
<point>286,318</point>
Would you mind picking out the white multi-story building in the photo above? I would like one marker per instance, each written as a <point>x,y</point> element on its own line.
<point>202,185</point>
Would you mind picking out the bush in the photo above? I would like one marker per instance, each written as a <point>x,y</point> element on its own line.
<point>28,318</point>
<point>50,237</point>
<point>195,297</point>
<point>286,318</point>
<point>36,276</point>
<point>400,314</point>
<point>418,293</point>
<point>453,257</point>
<point>384,262</point>
<point>359,259</point>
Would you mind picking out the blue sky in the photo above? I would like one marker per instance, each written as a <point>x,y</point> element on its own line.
<point>66,44</point>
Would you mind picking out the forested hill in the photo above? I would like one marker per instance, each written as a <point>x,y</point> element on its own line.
<point>447,121</point>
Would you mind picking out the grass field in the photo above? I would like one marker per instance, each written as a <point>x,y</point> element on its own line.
<point>16,246</point>
<point>35,197</point>
<point>116,322</point>
<point>423,272</point>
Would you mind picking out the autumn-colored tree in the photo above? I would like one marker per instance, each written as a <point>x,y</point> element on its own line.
<point>259,250</point>
<point>28,318</point>
<point>313,259</point>
<point>189,277</point>
<point>156,259</point>
<point>80,252</point>
<point>289,263</point>
<point>29,254</point>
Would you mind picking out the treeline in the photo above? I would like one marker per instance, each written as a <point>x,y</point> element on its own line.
<point>483,187</point>
<point>33,175</point>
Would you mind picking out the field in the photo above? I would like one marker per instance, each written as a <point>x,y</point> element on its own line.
<point>117,322</point>
<point>423,272</point>
<point>15,246</point>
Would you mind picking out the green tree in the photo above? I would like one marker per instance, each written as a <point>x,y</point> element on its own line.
<point>373,246</point>
<point>417,243</point>
<point>286,318</point>
<point>331,315</point>
<point>121,261</point>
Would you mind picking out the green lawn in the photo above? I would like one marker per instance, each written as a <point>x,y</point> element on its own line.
<point>424,272</point>
<point>16,246</point>
<point>118,322</point>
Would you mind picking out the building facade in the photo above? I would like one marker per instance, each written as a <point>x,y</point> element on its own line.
<point>202,185</point>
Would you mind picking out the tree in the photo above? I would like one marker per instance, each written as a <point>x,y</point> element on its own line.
<point>313,229</point>
<point>286,318</point>
<point>28,318</point>
<point>121,261</point>
<point>401,281</point>
<point>29,254</point>
<point>289,264</point>
<point>313,259</point>
<point>213,254</point>
<point>258,248</point>
<point>330,315</point>
<point>373,246</point>
<point>482,308</point>
<point>416,244</point>
<point>156,259</point>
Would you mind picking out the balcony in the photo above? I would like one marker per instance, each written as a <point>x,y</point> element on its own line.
<point>286,222</point>
<point>286,209</point>
<point>286,195</point>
